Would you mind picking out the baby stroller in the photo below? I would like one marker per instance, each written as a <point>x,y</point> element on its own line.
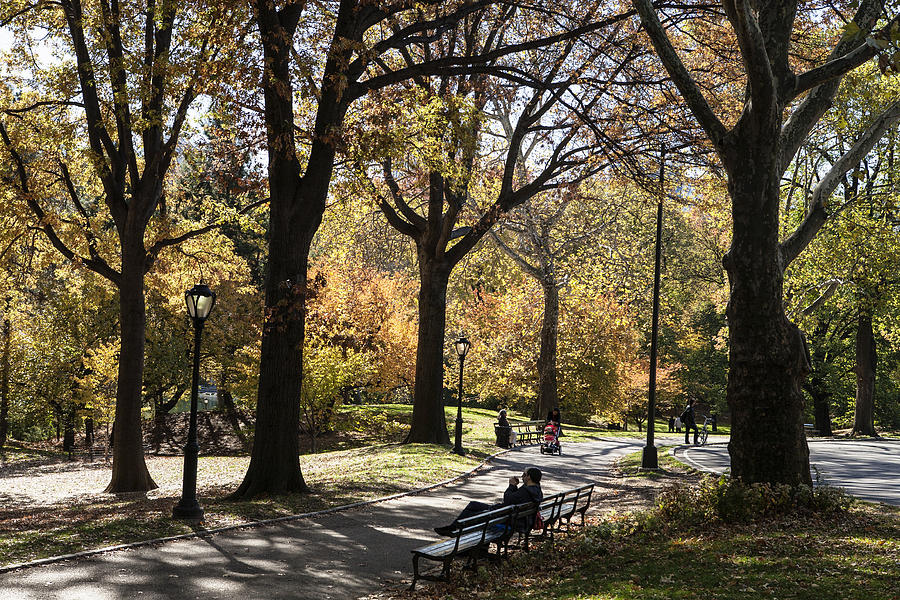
<point>550,445</point>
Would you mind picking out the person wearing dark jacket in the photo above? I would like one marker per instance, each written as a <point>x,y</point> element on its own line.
<point>554,417</point>
<point>529,491</point>
<point>689,421</point>
<point>505,429</point>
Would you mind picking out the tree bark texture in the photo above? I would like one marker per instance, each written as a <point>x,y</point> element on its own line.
<point>817,386</point>
<point>864,415</point>
<point>129,472</point>
<point>429,425</point>
<point>4,383</point>
<point>226,405</point>
<point>69,430</point>
<point>297,202</point>
<point>548,398</point>
<point>274,461</point>
<point>767,356</point>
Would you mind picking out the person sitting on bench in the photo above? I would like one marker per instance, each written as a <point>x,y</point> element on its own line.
<point>503,423</point>
<point>530,491</point>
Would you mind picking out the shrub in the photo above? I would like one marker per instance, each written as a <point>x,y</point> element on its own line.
<point>733,501</point>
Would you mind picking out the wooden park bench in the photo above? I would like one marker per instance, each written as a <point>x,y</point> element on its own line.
<point>527,432</point>
<point>471,539</point>
<point>474,535</point>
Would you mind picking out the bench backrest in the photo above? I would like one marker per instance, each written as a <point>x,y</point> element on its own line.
<point>583,497</point>
<point>554,504</point>
<point>485,523</point>
<point>528,426</point>
<point>521,516</point>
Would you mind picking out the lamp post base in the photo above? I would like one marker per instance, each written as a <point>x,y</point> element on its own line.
<point>457,447</point>
<point>649,458</point>
<point>188,512</point>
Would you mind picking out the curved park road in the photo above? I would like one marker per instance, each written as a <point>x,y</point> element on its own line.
<point>341,555</point>
<point>868,469</point>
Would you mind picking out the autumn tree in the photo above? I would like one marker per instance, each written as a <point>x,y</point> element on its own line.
<point>93,140</point>
<point>543,237</point>
<point>343,55</point>
<point>427,192</point>
<point>768,359</point>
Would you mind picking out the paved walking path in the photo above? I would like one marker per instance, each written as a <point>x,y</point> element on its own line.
<point>340,555</point>
<point>866,468</point>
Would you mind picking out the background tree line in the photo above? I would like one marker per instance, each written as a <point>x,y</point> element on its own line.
<point>317,163</point>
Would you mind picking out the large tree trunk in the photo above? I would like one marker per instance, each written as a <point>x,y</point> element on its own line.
<point>129,470</point>
<point>864,416</point>
<point>159,424</point>
<point>297,203</point>
<point>817,386</point>
<point>548,398</point>
<point>821,398</point>
<point>4,384</point>
<point>767,355</point>
<point>275,459</point>
<point>429,425</point>
<point>226,405</point>
<point>69,430</point>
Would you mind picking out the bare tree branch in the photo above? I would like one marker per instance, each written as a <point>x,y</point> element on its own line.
<point>689,89</point>
<point>817,215</point>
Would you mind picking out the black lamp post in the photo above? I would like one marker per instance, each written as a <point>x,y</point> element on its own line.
<point>649,457</point>
<point>200,301</point>
<point>462,347</point>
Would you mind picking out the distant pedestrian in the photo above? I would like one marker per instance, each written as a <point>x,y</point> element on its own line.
<point>687,418</point>
<point>677,424</point>
<point>671,424</point>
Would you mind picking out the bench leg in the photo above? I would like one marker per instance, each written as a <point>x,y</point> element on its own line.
<point>415,572</point>
<point>445,572</point>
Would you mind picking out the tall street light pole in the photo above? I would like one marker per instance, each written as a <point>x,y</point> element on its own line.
<point>200,301</point>
<point>462,348</point>
<point>649,458</point>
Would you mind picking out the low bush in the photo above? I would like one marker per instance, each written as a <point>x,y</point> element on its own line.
<point>733,501</point>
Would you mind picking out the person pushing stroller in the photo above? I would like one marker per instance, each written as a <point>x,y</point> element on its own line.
<point>550,445</point>
<point>552,431</point>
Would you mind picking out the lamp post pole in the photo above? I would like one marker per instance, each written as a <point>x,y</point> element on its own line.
<point>200,301</point>
<point>649,457</point>
<point>462,347</point>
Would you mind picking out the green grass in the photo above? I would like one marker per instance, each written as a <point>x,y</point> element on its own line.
<point>662,426</point>
<point>854,556</point>
<point>630,465</point>
<point>14,453</point>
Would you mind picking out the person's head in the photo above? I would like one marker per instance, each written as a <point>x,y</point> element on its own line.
<point>533,474</point>
<point>502,412</point>
<point>690,401</point>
